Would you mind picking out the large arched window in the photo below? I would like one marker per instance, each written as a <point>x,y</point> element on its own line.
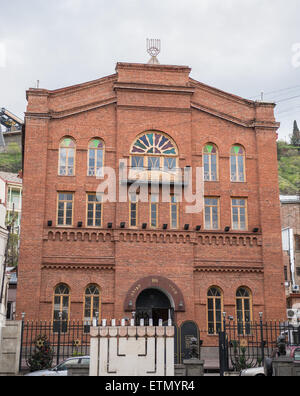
<point>210,162</point>
<point>154,151</point>
<point>96,158</point>
<point>92,303</point>
<point>61,307</point>
<point>237,164</point>
<point>214,310</point>
<point>244,310</point>
<point>67,150</point>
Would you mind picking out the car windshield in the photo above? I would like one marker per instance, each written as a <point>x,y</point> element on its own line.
<point>64,366</point>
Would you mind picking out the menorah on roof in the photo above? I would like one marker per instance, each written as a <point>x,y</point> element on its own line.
<point>153,49</point>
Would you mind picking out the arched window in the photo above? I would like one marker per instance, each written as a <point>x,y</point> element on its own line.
<point>214,310</point>
<point>67,149</point>
<point>96,158</point>
<point>92,303</point>
<point>237,164</point>
<point>210,162</point>
<point>154,151</point>
<point>244,310</point>
<point>61,306</point>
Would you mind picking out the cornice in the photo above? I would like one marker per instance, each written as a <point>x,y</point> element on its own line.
<point>227,117</point>
<point>152,236</point>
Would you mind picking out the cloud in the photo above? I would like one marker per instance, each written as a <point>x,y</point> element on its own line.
<point>243,47</point>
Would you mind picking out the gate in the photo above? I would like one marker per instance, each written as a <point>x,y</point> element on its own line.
<point>183,336</point>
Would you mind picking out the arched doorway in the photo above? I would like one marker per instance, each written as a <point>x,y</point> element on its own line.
<point>153,304</point>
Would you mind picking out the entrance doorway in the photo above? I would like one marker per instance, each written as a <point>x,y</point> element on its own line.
<point>153,304</point>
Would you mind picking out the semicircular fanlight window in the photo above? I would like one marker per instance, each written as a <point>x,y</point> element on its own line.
<point>154,143</point>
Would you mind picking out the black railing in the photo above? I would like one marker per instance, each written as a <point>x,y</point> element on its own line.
<point>66,339</point>
<point>246,345</point>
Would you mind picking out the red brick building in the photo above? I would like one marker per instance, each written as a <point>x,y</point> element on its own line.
<point>75,251</point>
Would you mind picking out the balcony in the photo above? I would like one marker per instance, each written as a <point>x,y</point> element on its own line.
<point>158,175</point>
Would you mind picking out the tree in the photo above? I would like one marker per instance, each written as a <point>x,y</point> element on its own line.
<point>295,137</point>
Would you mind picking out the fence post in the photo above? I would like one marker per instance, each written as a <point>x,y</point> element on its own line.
<point>21,345</point>
<point>58,337</point>
<point>223,348</point>
<point>262,338</point>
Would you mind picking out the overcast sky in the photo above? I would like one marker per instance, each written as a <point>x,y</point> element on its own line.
<point>240,46</point>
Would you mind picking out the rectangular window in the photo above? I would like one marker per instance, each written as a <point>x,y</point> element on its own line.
<point>153,163</point>
<point>14,199</point>
<point>174,212</point>
<point>133,210</point>
<point>94,210</point>
<point>137,162</point>
<point>65,209</point>
<point>154,210</point>
<point>239,213</point>
<point>212,213</point>
<point>169,164</point>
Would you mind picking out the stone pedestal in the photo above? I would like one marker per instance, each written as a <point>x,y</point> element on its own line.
<point>180,370</point>
<point>283,366</point>
<point>194,367</point>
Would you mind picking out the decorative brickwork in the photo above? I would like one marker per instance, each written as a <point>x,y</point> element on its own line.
<point>118,109</point>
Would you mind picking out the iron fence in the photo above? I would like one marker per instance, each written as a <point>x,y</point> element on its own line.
<point>246,345</point>
<point>64,339</point>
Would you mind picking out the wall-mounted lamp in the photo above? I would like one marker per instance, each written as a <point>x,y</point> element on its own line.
<point>49,223</point>
<point>109,225</point>
<point>79,224</point>
<point>227,229</point>
<point>144,226</point>
<point>165,226</point>
<point>186,227</point>
<point>122,225</point>
<point>198,227</point>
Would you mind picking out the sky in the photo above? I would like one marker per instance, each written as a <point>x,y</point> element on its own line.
<point>244,47</point>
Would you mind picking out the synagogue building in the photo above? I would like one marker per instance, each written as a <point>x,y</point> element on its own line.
<point>150,131</point>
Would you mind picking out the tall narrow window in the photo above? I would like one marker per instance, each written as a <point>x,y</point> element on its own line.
<point>212,213</point>
<point>92,303</point>
<point>61,306</point>
<point>94,210</point>
<point>133,210</point>
<point>96,158</point>
<point>210,162</point>
<point>174,212</point>
<point>67,157</point>
<point>239,213</point>
<point>154,210</point>
<point>214,310</point>
<point>243,310</point>
<point>237,164</point>
<point>65,209</point>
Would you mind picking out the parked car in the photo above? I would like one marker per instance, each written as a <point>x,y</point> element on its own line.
<point>62,369</point>
<point>253,372</point>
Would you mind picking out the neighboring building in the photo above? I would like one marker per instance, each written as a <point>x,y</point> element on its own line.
<point>12,273</point>
<point>80,255</point>
<point>10,129</point>
<point>290,218</point>
<point>13,198</point>
<point>3,276</point>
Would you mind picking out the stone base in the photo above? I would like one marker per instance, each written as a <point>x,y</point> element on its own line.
<point>194,367</point>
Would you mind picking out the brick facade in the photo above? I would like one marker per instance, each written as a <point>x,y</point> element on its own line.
<point>117,109</point>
